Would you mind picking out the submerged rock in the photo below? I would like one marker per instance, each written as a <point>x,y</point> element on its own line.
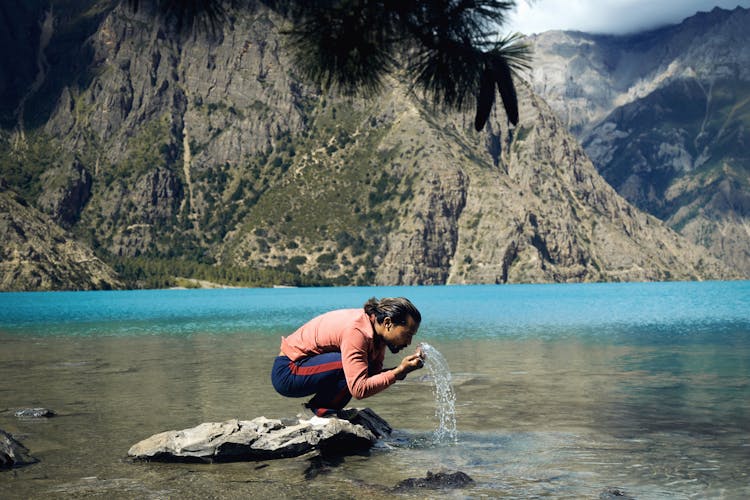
<point>263,439</point>
<point>34,413</point>
<point>614,494</point>
<point>437,481</point>
<point>13,453</point>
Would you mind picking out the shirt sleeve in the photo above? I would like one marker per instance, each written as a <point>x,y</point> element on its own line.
<point>354,357</point>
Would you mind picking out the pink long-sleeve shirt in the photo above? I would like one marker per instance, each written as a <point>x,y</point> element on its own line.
<point>350,332</point>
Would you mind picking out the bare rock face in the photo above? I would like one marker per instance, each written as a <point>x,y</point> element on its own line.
<point>37,254</point>
<point>663,116</point>
<point>66,190</point>
<point>263,439</point>
<point>541,214</point>
<point>208,145</point>
<point>13,453</point>
<point>153,202</point>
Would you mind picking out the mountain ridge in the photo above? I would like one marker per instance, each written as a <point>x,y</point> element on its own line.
<point>205,152</point>
<point>664,116</point>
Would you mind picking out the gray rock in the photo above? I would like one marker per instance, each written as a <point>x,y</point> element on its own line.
<point>614,494</point>
<point>34,413</point>
<point>65,191</point>
<point>436,481</point>
<point>13,453</point>
<point>263,439</point>
<point>367,419</point>
<point>37,254</point>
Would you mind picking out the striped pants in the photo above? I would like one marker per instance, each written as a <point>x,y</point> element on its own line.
<point>321,374</point>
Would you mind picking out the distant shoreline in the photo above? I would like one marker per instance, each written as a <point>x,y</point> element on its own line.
<point>194,283</point>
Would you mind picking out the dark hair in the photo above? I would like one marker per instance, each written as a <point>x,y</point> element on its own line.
<point>398,309</point>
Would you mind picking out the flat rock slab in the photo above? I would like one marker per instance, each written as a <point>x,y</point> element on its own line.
<point>13,453</point>
<point>264,439</point>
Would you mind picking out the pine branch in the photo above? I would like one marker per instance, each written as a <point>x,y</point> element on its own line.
<point>449,48</point>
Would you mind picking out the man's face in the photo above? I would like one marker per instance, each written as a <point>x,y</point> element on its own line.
<point>399,336</point>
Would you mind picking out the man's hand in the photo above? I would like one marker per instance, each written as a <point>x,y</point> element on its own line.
<point>409,364</point>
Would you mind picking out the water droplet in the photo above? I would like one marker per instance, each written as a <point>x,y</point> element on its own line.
<point>445,397</point>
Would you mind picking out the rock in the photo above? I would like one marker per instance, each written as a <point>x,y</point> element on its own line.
<point>614,494</point>
<point>440,480</point>
<point>368,419</point>
<point>34,413</point>
<point>37,254</point>
<point>13,453</point>
<point>65,191</point>
<point>263,439</point>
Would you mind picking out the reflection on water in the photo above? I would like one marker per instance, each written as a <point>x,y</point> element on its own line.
<point>565,419</point>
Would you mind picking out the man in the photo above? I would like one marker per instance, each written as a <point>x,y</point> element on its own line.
<point>340,354</point>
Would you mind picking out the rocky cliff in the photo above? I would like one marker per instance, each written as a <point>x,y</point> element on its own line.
<point>36,254</point>
<point>664,115</point>
<point>171,148</point>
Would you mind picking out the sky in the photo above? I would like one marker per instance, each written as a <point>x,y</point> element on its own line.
<point>607,16</point>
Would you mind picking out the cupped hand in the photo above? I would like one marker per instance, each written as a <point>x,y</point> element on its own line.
<point>409,364</point>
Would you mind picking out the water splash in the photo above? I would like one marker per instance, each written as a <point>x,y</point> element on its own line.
<point>445,398</point>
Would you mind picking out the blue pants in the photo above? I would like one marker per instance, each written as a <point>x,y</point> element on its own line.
<point>321,374</point>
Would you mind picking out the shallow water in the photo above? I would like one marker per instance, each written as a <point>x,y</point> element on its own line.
<point>657,406</point>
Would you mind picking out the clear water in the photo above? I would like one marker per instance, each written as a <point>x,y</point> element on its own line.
<point>561,391</point>
<point>442,388</point>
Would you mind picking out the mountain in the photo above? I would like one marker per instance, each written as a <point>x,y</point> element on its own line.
<point>36,254</point>
<point>665,117</point>
<point>203,155</point>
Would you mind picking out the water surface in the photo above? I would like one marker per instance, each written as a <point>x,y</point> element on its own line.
<point>561,391</point>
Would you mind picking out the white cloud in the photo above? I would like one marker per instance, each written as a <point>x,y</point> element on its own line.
<point>607,16</point>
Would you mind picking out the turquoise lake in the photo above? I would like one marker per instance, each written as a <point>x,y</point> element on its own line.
<point>562,391</point>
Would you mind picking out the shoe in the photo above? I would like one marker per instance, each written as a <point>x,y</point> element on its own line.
<point>320,412</point>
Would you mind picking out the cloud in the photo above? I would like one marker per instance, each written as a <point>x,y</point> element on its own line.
<point>607,16</point>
